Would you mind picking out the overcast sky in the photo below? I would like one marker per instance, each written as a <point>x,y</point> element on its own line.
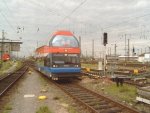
<point>35,20</point>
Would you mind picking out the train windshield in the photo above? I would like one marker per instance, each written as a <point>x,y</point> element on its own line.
<point>65,41</point>
<point>65,59</point>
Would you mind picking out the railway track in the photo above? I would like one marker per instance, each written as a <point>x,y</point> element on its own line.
<point>127,79</point>
<point>7,81</point>
<point>92,101</point>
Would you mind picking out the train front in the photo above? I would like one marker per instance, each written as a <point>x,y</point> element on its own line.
<point>64,56</point>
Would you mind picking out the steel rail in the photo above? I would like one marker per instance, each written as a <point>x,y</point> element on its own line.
<point>88,99</point>
<point>95,96</point>
<point>11,79</point>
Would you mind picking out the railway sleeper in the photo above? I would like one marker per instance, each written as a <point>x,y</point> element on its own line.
<point>111,110</point>
<point>88,100</point>
<point>96,103</point>
<point>20,72</point>
<point>77,93</point>
<point>74,91</point>
<point>100,107</point>
<point>103,102</point>
<point>86,97</point>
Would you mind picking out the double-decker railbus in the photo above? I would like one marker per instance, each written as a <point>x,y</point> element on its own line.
<point>62,56</point>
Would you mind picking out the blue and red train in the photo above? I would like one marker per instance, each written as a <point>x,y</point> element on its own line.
<point>62,56</point>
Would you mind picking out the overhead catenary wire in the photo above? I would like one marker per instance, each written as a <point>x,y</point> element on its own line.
<point>85,31</point>
<point>69,14</point>
<point>8,22</point>
<point>53,12</point>
<point>120,23</point>
<point>9,10</point>
<point>125,21</point>
<point>76,8</point>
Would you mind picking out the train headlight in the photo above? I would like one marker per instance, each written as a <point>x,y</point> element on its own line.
<point>76,66</point>
<point>55,66</point>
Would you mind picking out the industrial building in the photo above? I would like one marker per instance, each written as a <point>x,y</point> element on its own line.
<point>9,46</point>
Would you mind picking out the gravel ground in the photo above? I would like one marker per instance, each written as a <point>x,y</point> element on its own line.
<point>32,84</point>
<point>23,97</point>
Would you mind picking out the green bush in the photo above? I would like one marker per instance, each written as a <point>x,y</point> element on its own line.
<point>43,109</point>
<point>123,89</point>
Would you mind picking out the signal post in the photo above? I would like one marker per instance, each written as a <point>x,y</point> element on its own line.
<point>104,43</point>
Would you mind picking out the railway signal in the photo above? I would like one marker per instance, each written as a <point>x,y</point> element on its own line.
<point>105,41</point>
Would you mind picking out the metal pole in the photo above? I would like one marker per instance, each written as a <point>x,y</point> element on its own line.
<point>86,54</point>
<point>104,60</point>
<point>10,48</point>
<point>125,47</point>
<point>80,45</point>
<point>115,51</point>
<point>110,51</point>
<point>145,49</point>
<point>128,48</point>
<point>93,49</point>
<point>99,55</point>
<point>2,47</point>
<point>79,41</point>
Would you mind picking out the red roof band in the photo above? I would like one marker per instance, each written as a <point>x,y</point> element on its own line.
<point>47,49</point>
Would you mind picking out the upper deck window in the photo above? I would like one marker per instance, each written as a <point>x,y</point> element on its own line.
<point>64,41</point>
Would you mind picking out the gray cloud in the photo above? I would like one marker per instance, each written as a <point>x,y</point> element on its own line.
<point>117,17</point>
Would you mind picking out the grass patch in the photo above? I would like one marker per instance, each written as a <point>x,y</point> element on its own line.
<point>5,66</point>
<point>43,109</point>
<point>8,64</point>
<point>7,109</point>
<point>125,93</point>
<point>19,64</point>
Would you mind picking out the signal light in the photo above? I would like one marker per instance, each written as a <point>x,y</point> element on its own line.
<point>105,39</point>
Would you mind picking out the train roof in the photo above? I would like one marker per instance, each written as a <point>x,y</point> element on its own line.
<point>42,49</point>
<point>66,33</point>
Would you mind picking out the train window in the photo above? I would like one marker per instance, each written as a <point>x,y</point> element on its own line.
<point>46,61</point>
<point>65,41</point>
<point>59,62</point>
<point>65,59</point>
